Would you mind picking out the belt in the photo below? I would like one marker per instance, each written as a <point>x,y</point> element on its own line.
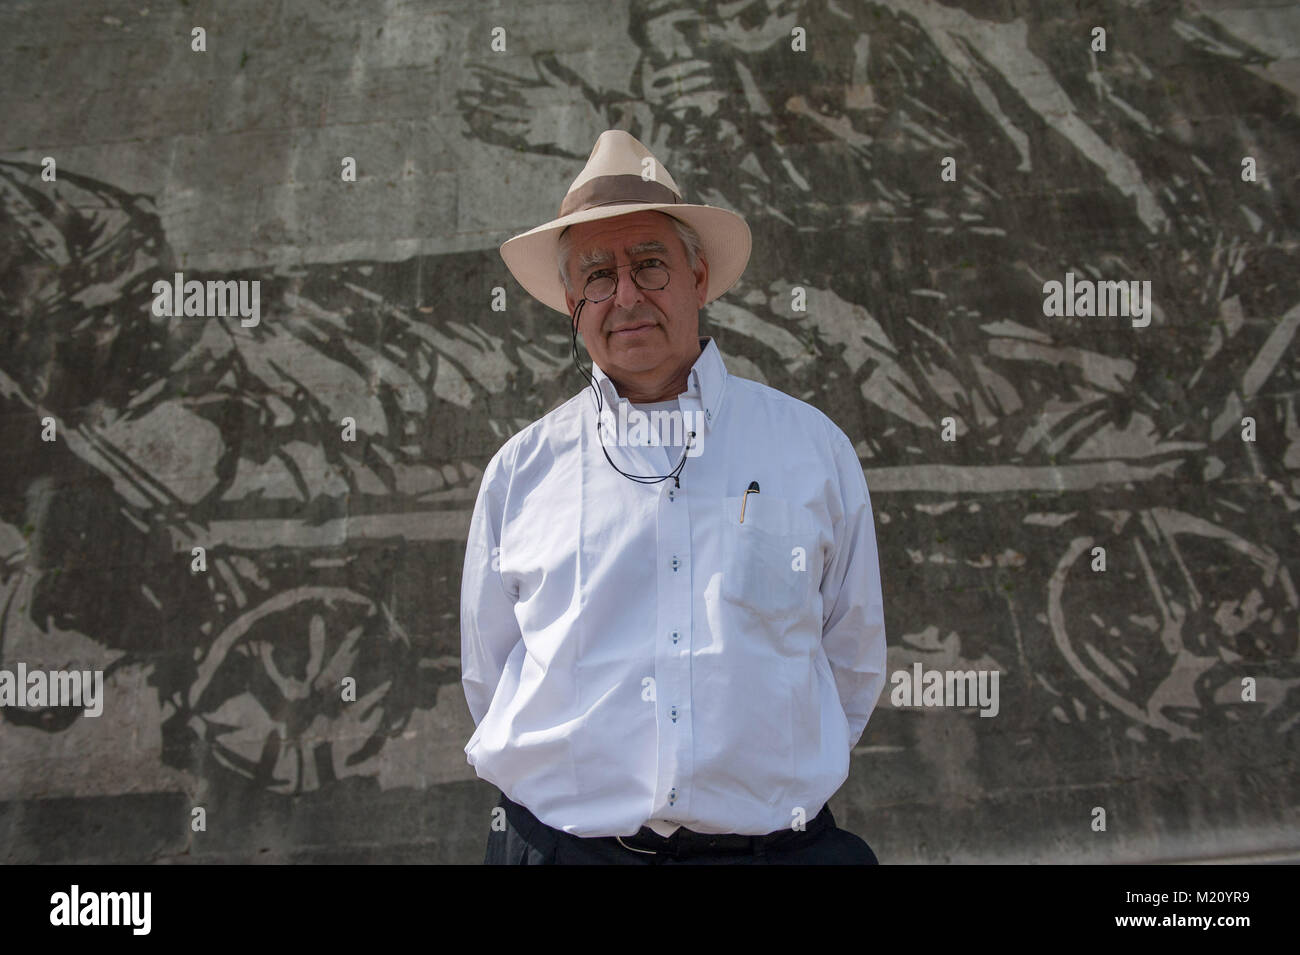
<point>685,841</point>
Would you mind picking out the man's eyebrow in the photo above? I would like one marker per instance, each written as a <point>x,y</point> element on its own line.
<point>589,260</point>
<point>654,245</point>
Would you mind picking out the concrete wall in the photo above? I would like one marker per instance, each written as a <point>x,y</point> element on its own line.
<point>326,558</point>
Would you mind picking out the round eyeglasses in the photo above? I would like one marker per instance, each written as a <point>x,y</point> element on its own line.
<point>650,275</point>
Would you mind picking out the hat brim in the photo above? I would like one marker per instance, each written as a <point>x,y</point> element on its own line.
<point>725,243</point>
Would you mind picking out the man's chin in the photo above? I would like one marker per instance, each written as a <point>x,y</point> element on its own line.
<point>636,359</point>
<point>645,345</point>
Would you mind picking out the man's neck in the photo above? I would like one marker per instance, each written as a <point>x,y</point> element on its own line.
<point>643,393</point>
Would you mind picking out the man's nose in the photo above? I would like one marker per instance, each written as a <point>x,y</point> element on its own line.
<point>627,293</point>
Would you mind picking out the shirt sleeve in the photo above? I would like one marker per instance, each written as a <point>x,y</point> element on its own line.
<point>489,630</point>
<point>853,630</point>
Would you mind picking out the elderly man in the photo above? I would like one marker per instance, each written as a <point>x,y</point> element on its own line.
<point>670,642</point>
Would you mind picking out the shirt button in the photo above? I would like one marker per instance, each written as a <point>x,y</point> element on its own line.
<point>676,563</point>
<point>675,636</point>
<point>671,494</point>
<point>673,714</point>
<point>672,796</point>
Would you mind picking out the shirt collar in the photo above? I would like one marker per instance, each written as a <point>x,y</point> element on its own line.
<point>706,381</point>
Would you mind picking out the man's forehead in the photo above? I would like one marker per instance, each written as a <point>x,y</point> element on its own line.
<point>604,249</point>
<point>649,234</point>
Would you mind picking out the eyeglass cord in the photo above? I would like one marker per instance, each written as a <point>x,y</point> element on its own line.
<point>675,474</point>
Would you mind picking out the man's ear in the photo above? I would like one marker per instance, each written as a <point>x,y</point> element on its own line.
<point>569,300</point>
<point>702,281</point>
<point>572,303</point>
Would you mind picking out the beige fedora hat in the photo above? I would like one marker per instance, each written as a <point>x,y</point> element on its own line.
<point>618,180</point>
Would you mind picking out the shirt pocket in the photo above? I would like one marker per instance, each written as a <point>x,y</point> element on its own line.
<point>766,560</point>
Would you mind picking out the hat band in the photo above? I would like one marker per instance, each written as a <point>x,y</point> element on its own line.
<point>608,190</point>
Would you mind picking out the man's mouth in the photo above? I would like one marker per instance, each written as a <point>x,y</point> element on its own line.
<point>640,326</point>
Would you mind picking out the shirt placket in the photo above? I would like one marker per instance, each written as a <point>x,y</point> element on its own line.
<point>673,651</point>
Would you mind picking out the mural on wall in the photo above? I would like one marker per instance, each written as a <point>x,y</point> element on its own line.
<point>924,301</point>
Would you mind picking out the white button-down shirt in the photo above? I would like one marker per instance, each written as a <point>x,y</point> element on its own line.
<point>635,653</point>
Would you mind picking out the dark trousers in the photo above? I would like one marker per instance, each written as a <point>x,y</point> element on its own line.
<point>526,840</point>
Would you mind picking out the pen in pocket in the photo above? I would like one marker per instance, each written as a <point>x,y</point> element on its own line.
<point>744,499</point>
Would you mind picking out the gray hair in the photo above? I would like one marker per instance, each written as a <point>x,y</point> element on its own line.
<point>689,237</point>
